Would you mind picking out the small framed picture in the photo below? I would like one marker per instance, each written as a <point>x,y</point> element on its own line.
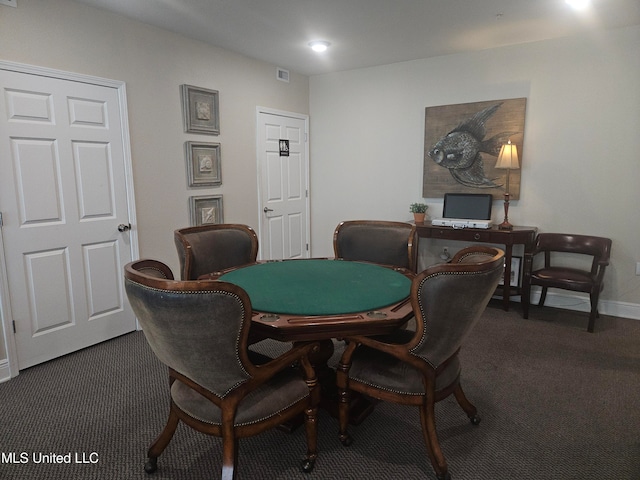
<point>516,262</point>
<point>206,210</point>
<point>203,164</point>
<point>200,110</point>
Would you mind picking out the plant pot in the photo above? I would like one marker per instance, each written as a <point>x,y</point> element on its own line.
<point>419,217</point>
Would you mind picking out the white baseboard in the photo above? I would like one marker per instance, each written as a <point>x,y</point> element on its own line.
<point>581,304</point>
<point>5,371</point>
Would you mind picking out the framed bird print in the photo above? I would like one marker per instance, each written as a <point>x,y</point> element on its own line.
<point>462,143</point>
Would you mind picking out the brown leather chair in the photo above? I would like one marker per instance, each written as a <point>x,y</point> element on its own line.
<point>213,248</point>
<point>422,367</point>
<point>199,329</point>
<point>377,241</point>
<point>553,274</point>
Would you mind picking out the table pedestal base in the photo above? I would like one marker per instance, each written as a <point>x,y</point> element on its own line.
<point>361,406</point>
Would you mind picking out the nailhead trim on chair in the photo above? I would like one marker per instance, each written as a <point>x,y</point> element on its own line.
<point>437,274</point>
<point>198,293</point>
<point>245,423</point>
<point>475,254</point>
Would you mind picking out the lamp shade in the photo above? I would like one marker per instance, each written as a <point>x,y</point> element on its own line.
<point>508,157</point>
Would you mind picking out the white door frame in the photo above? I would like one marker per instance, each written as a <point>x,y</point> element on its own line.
<point>9,366</point>
<point>300,116</point>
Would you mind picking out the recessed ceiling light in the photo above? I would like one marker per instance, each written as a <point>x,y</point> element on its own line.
<point>319,46</point>
<point>578,4</point>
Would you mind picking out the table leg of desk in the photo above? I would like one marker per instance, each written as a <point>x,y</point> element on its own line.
<point>506,288</point>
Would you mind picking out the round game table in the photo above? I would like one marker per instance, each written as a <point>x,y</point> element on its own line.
<point>318,299</point>
<point>321,299</point>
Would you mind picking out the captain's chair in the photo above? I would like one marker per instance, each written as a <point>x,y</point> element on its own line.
<point>422,367</point>
<point>588,279</point>
<point>213,248</point>
<point>377,241</point>
<point>199,330</point>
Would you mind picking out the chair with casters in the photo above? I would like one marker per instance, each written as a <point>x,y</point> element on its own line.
<point>422,367</point>
<point>377,241</point>
<point>213,248</point>
<point>553,273</point>
<point>199,330</point>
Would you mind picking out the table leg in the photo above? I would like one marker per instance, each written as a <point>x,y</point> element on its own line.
<point>360,406</point>
<point>506,288</point>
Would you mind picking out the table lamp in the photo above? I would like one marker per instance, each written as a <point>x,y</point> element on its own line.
<point>508,158</point>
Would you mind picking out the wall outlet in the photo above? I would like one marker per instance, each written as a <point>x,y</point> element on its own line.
<point>637,268</point>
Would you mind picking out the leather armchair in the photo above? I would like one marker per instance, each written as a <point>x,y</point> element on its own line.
<point>422,367</point>
<point>199,330</point>
<point>552,273</point>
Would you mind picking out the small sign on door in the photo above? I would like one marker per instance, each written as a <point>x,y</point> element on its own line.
<point>284,148</point>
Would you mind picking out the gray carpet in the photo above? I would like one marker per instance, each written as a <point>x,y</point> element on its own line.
<point>556,403</point>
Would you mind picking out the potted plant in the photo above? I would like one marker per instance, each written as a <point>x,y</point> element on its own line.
<point>419,211</point>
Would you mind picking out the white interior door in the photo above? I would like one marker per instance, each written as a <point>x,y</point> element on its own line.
<point>63,196</point>
<point>284,185</point>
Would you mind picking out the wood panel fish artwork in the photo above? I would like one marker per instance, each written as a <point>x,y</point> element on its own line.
<point>462,143</point>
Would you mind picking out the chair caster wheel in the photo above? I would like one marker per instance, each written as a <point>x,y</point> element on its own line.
<point>346,439</point>
<point>475,420</point>
<point>151,465</point>
<point>307,465</point>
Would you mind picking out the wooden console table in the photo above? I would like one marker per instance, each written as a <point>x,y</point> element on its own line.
<point>518,236</point>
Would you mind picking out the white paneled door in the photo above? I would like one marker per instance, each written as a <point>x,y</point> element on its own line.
<point>65,213</point>
<point>283,184</point>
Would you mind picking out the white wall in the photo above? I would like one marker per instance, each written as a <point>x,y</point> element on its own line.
<point>581,154</point>
<point>68,36</point>
<point>154,63</point>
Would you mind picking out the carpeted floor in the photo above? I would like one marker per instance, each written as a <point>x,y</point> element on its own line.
<point>556,403</point>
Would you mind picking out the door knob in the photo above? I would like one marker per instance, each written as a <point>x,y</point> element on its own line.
<point>267,210</point>
<point>123,228</point>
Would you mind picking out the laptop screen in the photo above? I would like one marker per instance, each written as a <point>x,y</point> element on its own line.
<point>472,206</point>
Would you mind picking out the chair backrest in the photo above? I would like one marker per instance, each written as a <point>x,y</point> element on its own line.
<point>197,328</point>
<point>448,299</point>
<point>152,268</point>
<point>598,247</point>
<point>212,248</point>
<point>377,241</point>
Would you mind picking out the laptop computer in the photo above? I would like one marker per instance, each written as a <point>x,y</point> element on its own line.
<point>465,210</point>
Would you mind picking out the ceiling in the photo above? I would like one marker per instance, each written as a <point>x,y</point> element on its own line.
<point>366,33</point>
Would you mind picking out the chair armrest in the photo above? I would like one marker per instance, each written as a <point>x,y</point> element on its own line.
<point>297,353</point>
<point>528,261</point>
<point>392,349</point>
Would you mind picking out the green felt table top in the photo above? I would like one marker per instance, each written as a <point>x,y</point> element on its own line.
<point>319,287</point>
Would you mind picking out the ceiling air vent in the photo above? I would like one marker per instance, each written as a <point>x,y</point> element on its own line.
<point>282,74</point>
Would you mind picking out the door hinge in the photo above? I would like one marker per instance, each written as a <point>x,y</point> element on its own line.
<point>306,137</point>
<point>13,322</point>
<point>0,219</point>
<point>307,247</point>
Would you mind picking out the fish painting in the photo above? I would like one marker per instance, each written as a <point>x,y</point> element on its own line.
<point>460,150</point>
